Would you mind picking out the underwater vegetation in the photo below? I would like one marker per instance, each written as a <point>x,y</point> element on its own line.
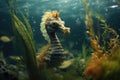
<point>25,32</point>
<point>105,60</point>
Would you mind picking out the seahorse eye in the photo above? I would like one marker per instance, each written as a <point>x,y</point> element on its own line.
<point>54,24</point>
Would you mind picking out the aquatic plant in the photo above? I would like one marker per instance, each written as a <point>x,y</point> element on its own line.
<point>104,63</point>
<point>84,51</point>
<point>54,54</point>
<point>25,33</point>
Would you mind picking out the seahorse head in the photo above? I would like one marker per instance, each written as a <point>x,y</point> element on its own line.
<point>50,23</point>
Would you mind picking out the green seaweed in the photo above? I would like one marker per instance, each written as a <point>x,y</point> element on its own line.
<point>25,33</point>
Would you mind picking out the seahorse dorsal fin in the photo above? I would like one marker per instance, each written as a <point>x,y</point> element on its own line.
<point>55,14</point>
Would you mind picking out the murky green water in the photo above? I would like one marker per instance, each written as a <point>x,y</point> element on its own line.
<point>74,40</point>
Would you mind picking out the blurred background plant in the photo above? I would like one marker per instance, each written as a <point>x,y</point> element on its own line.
<point>104,63</point>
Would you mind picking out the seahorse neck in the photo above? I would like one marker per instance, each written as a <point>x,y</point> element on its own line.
<point>55,43</point>
<point>55,54</point>
<point>53,38</point>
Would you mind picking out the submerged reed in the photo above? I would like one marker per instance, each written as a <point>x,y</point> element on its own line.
<point>25,32</point>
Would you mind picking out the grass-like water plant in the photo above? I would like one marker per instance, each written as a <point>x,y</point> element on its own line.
<point>25,32</point>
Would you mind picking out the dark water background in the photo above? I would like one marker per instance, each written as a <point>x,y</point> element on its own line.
<point>71,11</point>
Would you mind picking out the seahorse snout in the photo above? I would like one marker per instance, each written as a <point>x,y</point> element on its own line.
<point>66,30</point>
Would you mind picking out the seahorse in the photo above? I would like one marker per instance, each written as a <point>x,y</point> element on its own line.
<point>54,54</point>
